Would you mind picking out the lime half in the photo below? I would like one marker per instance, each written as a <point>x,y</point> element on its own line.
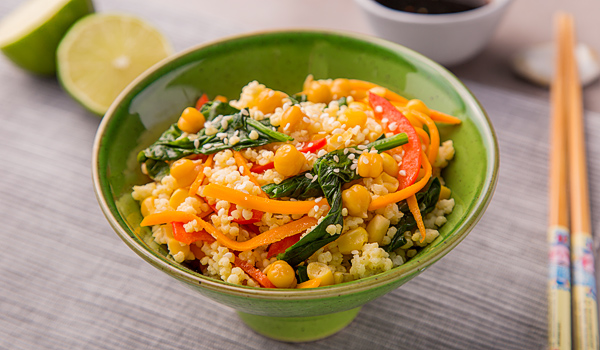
<point>30,34</point>
<point>102,53</point>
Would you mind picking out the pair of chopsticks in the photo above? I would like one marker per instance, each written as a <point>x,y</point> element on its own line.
<point>572,306</point>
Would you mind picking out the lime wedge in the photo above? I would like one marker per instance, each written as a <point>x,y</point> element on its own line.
<point>102,53</point>
<point>30,34</point>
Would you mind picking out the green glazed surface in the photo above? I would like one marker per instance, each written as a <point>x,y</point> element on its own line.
<point>282,60</point>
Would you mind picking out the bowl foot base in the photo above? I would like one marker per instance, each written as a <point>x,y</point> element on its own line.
<point>299,329</point>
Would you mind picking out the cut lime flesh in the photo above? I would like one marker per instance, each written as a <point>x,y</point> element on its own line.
<point>103,53</point>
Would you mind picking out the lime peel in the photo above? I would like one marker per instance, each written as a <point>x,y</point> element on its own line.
<point>30,34</point>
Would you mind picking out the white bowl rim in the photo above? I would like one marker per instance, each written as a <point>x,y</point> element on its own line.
<point>380,10</point>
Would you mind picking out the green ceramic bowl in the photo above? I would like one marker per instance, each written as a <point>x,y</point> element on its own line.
<point>282,60</point>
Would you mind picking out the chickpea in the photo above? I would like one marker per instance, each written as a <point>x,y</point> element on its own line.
<point>185,171</point>
<point>191,120</point>
<point>357,200</point>
<point>288,160</point>
<point>268,100</point>
<point>352,240</point>
<point>370,165</point>
<point>281,274</point>
<point>353,117</point>
<point>390,165</point>
<point>147,207</point>
<point>321,271</point>
<point>340,88</point>
<point>291,119</point>
<point>318,92</point>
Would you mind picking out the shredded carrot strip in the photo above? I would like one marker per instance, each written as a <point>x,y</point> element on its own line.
<point>442,117</point>
<point>397,196</point>
<point>267,237</point>
<point>241,162</point>
<point>200,177</point>
<point>259,203</point>
<point>416,122</point>
<point>413,205</point>
<point>310,284</point>
<point>424,138</point>
<point>365,85</point>
<point>434,135</point>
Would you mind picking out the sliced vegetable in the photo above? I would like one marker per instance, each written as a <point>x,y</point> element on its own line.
<point>245,169</point>
<point>281,246</point>
<point>441,117</point>
<point>434,135</point>
<point>312,146</point>
<point>416,212</point>
<point>267,237</point>
<point>400,195</point>
<point>255,202</point>
<point>426,201</point>
<point>309,284</point>
<point>201,101</point>
<point>232,132</point>
<point>262,168</point>
<point>253,272</point>
<point>180,234</point>
<point>397,123</point>
<point>201,176</point>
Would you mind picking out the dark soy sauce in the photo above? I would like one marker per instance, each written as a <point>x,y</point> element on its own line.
<point>432,7</point>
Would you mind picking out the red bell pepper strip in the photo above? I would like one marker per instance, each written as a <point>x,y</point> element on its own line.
<point>252,228</point>
<point>312,146</point>
<point>281,246</point>
<point>201,101</point>
<point>397,123</point>
<point>180,234</point>
<point>256,216</point>
<point>255,273</point>
<point>262,168</point>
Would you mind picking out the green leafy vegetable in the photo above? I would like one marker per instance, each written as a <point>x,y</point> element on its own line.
<point>427,200</point>
<point>213,109</point>
<point>301,274</point>
<point>331,171</point>
<point>173,144</point>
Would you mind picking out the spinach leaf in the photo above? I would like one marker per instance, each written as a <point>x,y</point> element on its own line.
<point>427,200</point>
<point>302,187</point>
<point>332,170</point>
<point>301,274</point>
<point>172,144</point>
<point>213,109</point>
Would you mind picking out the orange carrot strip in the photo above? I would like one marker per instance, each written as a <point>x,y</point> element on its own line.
<point>255,273</point>
<point>310,284</point>
<point>241,162</point>
<point>200,177</point>
<point>434,144</point>
<point>397,196</point>
<point>413,205</point>
<point>424,138</point>
<point>267,237</point>
<point>259,203</point>
<point>442,117</point>
<point>365,85</point>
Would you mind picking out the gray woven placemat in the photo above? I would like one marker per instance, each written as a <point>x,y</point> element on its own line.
<point>67,281</point>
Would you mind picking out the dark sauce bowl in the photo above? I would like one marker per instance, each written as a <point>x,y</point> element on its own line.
<point>448,38</point>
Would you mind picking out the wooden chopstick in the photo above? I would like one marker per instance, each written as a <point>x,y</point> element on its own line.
<point>559,286</point>
<point>585,309</point>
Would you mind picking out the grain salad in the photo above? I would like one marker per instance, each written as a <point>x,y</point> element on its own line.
<point>338,182</point>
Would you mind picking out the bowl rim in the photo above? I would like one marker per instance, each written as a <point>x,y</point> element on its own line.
<point>380,10</point>
<point>183,274</point>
